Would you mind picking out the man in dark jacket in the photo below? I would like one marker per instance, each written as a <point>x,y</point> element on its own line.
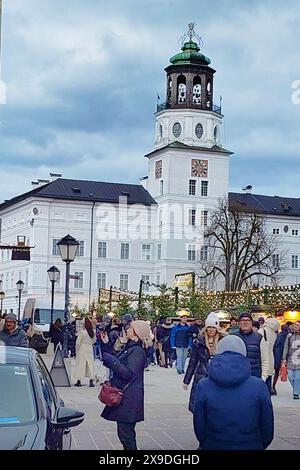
<point>233,410</point>
<point>181,341</point>
<point>12,334</point>
<point>163,333</point>
<point>255,345</point>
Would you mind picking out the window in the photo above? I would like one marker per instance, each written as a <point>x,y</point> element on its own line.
<point>161,187</point>
<point>275,260</point>
<point>204,188</point>
<point>145,278</point>
<point>78,283</point>
<point>199,130</point>
<point>191,252</point>
<point>55,249</point>
<point>275,231</point>
<point>26,278</point>
<point>158,279</point>
<point>295,232</point>
<point>124,250</point>
<point>101,281</point>
<point>203,283</point>
<point>80,251</point>
<point>204,218</point>
<point>204,253</point>
<point>192,187</point>
<point>192,216</point>
<point>177,129</point>
<point>146,252</point>
<point>124,281</point>
<point>102,250</point>
<point>295,263</point>
<point>158,252</point>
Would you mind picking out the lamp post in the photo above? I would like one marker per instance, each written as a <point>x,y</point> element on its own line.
<point>2,297</point>
<point>53,274</point>
<point>20,287</point>
<point>68,247</point>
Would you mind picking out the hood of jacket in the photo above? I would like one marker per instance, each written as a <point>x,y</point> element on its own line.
<point>229,369</point>
<point>273,324</point>
<point>167,326</point>
<point>13,333</point>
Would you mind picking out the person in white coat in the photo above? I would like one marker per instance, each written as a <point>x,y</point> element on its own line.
<point>84,354</point>
<point>269,333</point>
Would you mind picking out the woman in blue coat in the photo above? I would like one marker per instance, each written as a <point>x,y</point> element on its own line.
<point>233,410</point>
<point>128,368</point>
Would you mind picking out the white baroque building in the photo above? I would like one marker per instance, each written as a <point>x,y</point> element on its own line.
<point>149,231</point>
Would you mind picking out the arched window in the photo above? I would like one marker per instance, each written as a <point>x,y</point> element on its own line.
<point>169,89</point>
<point>197,90</point>
<point>181,89</point>
<point>208,99</point>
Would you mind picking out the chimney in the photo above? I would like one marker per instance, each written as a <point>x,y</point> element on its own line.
<point>247,189</point>
<point>55,176</point>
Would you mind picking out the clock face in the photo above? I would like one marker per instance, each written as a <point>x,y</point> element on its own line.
<point>200,168</point>
<point>158,169</point>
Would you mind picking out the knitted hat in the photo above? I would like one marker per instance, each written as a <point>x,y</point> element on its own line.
<point>261,320</point>
<point>212,320</point>
<point>232,343</point>
<point>143,331</point>
<point>12,317</point>
<point>127,317</point>
<point>245,315</point>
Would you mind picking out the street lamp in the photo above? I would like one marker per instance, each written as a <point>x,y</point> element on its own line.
<point>20,287</point>
<point>2,297</point>
<point>53,274</point>
<point>68,247</point>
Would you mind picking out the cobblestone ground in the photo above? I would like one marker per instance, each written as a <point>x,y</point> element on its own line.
<point>168,423</point>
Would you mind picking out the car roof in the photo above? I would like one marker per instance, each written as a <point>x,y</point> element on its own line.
<point>16,355</point>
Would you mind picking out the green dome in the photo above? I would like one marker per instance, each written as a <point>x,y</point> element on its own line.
<point>190,55</point>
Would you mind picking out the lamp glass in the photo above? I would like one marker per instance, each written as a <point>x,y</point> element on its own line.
<point>68,247</point>
<point>20,286</point>
<point>53,274</point>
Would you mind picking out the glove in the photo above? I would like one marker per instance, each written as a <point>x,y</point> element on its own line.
<point>185,386</point>
<point>108,360</point>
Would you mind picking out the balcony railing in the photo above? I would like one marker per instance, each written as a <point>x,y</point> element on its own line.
<point>215,108</point>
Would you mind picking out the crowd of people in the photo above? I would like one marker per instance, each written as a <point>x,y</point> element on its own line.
<point>239,364</point>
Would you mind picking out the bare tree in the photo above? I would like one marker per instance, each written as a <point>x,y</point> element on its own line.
<point>240,247</point>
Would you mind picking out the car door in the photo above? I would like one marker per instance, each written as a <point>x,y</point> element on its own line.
<point>56,439</point>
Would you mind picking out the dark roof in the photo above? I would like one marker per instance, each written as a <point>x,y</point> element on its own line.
<point>180,145</point>
<point>79,190</point>
<point>274,205</point>
<point>15,355</point>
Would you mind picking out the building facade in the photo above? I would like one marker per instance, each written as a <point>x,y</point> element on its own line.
<point>149,231</point>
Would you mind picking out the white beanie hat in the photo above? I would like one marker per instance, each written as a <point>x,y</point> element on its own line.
<point>143,332</point>
<point>232,343</point>
<point>212,320</point>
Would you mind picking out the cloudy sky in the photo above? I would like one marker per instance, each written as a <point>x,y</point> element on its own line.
<point>82,79</point>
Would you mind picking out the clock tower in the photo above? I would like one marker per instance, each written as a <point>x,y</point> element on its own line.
<point>188,168</point>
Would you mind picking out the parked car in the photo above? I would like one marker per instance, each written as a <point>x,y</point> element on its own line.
<point>32,415</point>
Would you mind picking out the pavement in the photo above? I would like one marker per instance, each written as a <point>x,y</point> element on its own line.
<point>168,424</point>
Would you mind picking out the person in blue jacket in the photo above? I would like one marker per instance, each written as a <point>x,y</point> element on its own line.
<point>233,410</point>
<point>182,341</point>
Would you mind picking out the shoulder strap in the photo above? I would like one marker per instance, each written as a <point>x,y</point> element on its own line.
<point>126,386</point>
<point>265,335</point>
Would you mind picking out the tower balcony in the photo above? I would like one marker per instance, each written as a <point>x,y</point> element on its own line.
<point>215,108</point>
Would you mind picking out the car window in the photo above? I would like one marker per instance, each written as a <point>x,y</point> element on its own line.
<point>49,396</point>
<point>17,403</point>
<point>48,378</point>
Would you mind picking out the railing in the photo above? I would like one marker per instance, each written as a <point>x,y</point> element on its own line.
<point>215,109</point>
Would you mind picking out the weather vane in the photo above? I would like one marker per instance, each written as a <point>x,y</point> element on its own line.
<point>191,34</point>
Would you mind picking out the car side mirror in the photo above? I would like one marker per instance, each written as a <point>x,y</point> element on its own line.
<point>67,418</point>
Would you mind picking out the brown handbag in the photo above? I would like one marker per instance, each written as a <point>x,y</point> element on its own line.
<point>111,395</point>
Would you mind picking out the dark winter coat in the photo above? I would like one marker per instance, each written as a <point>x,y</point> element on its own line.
<point>180,337</point>
<point>16,338</point>
<point>233,410</point>
<point>129,363</point>
<point>279,346</point>
<point>252,341</point>
<point>163,335</point>
<point>198,365</point>
<point>56,334</point>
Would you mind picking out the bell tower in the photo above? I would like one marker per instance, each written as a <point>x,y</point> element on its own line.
<point>189,114</point>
